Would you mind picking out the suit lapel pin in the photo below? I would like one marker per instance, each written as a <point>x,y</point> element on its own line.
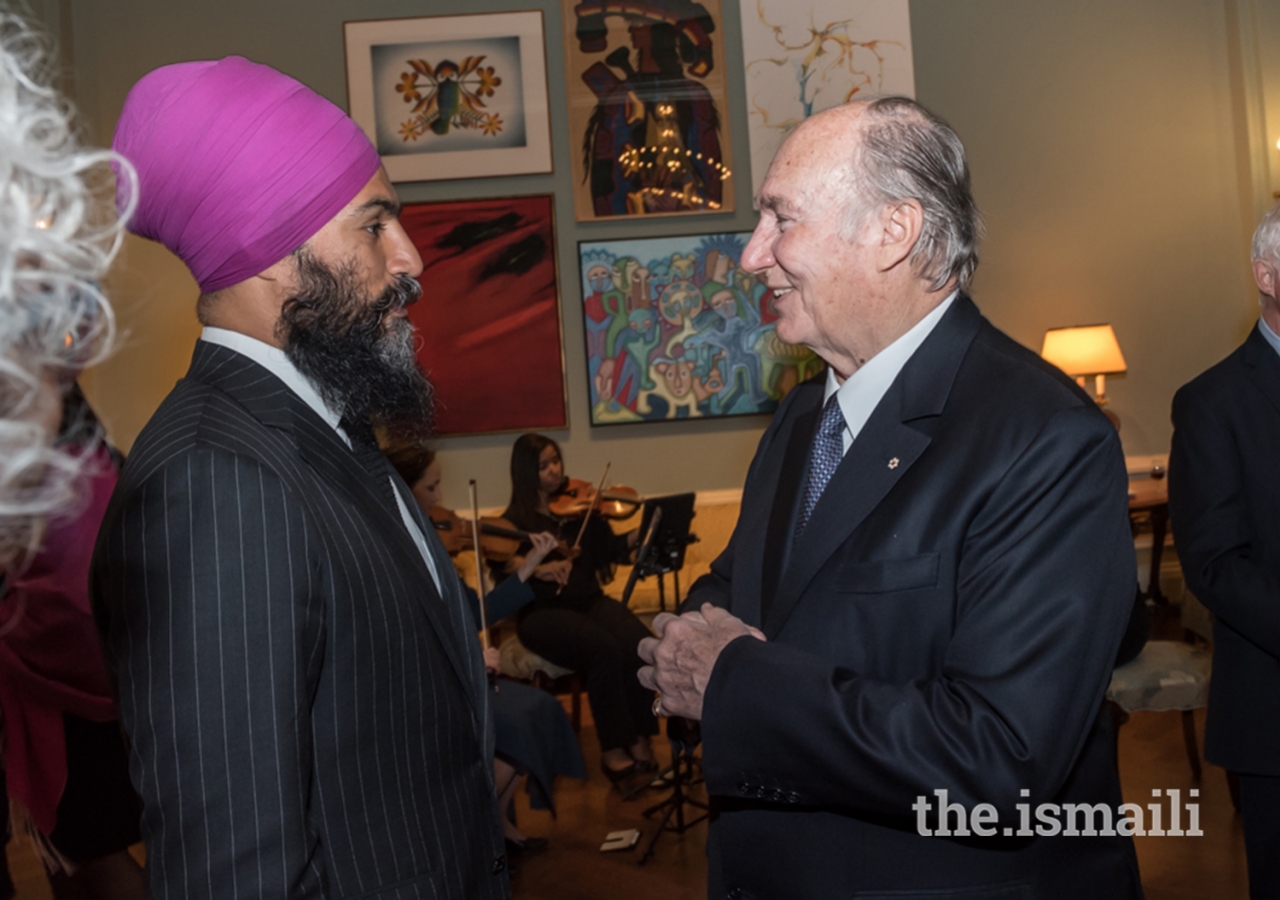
<point>893,463</point>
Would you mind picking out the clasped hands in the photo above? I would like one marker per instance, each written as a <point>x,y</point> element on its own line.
<point>680,659</point>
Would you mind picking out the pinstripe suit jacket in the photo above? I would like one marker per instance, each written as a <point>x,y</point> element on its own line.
<point>308,716</point>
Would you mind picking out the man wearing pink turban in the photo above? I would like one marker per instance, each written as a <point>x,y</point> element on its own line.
<point>306,704</point>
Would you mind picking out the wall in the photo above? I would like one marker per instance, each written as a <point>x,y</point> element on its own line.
<point>1108,142</point>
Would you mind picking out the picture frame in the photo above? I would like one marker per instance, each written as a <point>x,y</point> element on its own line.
<point>450,97</point>
<point>648,108</point>
<point>489,316</point>
<point>804,56</point>
<point>676,329</point>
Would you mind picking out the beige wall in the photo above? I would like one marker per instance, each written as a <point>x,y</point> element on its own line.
<point>1110,142</point>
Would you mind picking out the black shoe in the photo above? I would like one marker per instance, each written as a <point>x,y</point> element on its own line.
<point>646,767</point>
<point>527,846</point>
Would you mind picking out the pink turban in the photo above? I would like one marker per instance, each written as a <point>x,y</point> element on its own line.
<point>238,164</point>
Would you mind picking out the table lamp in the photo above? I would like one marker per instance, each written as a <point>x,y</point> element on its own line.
<point>1085,350</point>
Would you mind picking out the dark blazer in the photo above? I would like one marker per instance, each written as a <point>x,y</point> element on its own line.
<point>308,716</point>
<point>1224,504</point>
<point>948,620</point>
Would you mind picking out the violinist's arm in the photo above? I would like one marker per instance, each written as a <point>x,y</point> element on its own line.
<point>543,543</point>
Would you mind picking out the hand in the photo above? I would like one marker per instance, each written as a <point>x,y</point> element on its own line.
<point>543,543</point>
<point>557,571</point>
<point>492,659</point>
<point>680,659</point>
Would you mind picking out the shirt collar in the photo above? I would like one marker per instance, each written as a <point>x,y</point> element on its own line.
<point>1270,336</point>
<point>862,391</point>
<point>273,359</point>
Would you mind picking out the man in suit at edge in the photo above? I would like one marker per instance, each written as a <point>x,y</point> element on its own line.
<point>298,677</point>
<point>931,571</point>
<point>1224,504</point>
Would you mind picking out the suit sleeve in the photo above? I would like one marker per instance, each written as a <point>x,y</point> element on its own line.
<point>215,629</point>
<point>1044,584</point>
<point>1210,511</point>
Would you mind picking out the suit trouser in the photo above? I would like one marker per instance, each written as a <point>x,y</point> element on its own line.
<point>1260,810</point>
<point>599,642</point>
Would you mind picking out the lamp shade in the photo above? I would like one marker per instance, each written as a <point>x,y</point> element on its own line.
<point>1084,350</point>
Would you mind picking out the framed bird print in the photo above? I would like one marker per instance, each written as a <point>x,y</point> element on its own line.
<point>446,97</point>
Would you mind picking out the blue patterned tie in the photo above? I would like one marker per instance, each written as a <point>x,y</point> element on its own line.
<point>824,456</point>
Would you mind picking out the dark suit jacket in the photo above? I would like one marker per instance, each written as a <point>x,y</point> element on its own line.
<point>1224,503</point>
<point>308,716</point>
<point>948,620</point>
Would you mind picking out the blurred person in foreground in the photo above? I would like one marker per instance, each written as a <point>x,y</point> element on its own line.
<point>1224,503</point>
<point>931,571</point>
<point>298,673</point>
<point>66,761</point>
<point>58,233</point>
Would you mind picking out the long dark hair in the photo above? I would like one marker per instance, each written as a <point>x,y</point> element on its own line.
<point>525,454</point>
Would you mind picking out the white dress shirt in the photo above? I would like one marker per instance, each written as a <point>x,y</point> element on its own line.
<point>274,361</point>
<point>862,391</point>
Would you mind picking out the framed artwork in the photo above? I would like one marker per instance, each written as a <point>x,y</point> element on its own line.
<point>489,317</point>
<point>676,329</point>
<point>804,56</point>
<point>452,96</point>
<point>648,109</point>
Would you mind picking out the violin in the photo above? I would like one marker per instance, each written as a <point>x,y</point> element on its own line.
<point>499,538</point>
<point>576,497</point>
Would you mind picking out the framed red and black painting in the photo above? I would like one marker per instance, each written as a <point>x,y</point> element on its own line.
<point>489,317</point>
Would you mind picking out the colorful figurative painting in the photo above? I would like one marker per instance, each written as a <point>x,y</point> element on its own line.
<point>804,56</point>
<point>676,329</point>
<point>489,317</point>
<point>648,114</point>
<point>452,96</point>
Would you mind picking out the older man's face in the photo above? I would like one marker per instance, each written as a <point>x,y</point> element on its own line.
<point>821,282</point>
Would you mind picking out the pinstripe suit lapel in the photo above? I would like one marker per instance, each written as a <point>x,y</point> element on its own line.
<point>270,401</point>
<point>453,600</point>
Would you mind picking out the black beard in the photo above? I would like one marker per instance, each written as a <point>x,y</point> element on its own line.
<point>337,339</point>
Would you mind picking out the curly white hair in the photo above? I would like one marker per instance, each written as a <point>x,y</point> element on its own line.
<point>59,230</point>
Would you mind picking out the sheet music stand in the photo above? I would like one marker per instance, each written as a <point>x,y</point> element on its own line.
<point>665,530</point>
<point>684,735</point>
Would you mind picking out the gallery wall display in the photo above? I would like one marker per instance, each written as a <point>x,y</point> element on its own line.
<point>489,317</point>
<point>648,108</point>
<point>804,56</point>
<point>452,96</point>
<point>676,329</point>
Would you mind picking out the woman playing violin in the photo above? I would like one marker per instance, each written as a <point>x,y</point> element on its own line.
<point>571,622</point>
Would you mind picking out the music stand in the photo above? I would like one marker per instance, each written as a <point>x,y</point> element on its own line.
<point>665,526</point>
<point>684,735</point>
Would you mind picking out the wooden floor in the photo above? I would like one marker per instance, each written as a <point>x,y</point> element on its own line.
<point>1152,756</point>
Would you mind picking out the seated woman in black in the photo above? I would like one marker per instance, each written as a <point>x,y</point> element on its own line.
<point>571,623</point>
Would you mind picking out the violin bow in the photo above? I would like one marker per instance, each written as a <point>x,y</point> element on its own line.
<point>475,537</point>
<point>592,508</point>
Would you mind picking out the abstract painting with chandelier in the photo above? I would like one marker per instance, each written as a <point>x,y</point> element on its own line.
<point>647,106</point>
